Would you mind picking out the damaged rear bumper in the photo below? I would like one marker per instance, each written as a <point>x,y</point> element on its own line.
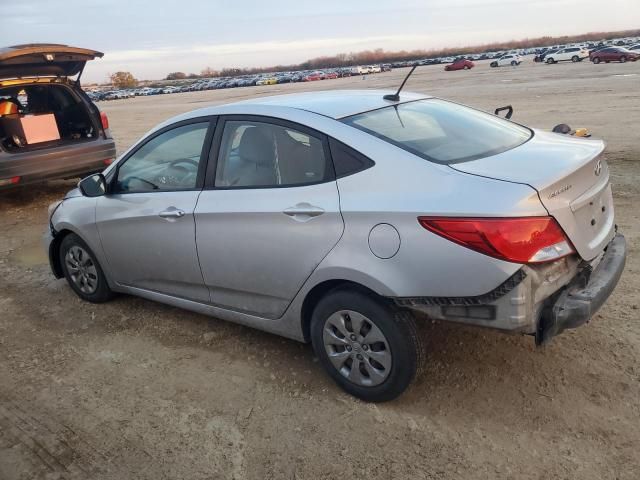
<point>575,304</point>
<point>541,300</point>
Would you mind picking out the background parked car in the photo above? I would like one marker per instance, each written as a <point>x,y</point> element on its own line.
<point>512,60</point>
<point>460,64</point>
<point>573,54</point>
<point>614,54</point>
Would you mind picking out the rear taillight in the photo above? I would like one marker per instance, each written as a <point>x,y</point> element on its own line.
<point>519,240</point>
<point>9,181</point>
<point>104,120</point>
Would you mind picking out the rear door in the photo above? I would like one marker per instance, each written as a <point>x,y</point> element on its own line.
<point>146,222</point>
<point>269,215</point>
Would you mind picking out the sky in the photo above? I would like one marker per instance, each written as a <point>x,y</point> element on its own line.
<point>153,38</point>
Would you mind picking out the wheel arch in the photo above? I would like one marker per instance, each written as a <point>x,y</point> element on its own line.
<point>319,291</point>
<point>54,248</point>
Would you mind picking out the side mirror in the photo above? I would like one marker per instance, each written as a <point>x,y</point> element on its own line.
<point>93,185</point>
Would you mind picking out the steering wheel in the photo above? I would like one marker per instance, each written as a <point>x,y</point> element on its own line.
<point>195,163</point>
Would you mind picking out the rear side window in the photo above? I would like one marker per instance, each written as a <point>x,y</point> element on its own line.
<point>260,154</point>
<point>440,131</point>
<point>346,160</point>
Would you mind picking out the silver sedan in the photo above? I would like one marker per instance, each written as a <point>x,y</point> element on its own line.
<point>341,218</point>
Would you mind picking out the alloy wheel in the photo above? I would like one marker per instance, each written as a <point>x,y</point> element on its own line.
<point>357,348</point>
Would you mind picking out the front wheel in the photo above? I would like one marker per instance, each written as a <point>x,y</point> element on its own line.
<point>82,270</point>
<point>550,61</point>
<point>575,59</point>
<point>493,64</point>
<point>623,59</point>
<point>596,60</point>
<point>369,347</point>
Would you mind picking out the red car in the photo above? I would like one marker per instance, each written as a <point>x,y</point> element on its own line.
<point>317,75</point>
<point>613,54</point>
<point>330,75</point>
<point>460,64</point>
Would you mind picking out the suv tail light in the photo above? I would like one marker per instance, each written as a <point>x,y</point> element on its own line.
<point>518,240</point>
<point>104,120</point>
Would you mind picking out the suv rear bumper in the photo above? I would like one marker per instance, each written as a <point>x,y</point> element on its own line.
<point>575,304</point>
<point>73,159</point>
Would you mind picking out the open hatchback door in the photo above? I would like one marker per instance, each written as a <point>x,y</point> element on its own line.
<point>44,60</point>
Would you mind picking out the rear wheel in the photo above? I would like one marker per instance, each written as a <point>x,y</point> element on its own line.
<point>623,59</point>
<point>550,61</point>
<point>596,60</point>
<point>466,67</point>
<point>369,347</point>
<point>493,64</point>
<point>82,270</point>
<point>513,63</point>
<point>575,59</point>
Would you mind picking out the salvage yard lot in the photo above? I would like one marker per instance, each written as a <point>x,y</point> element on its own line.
<point>134,389</point>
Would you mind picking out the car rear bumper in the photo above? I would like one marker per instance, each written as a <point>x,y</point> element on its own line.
<point>63,161</point>
<point>541,300</point>
<point>579,301</point>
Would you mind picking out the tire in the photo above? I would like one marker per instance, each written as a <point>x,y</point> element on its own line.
<point>386,354</point>
<point>623,59</point>
<point>575,59</point>
<point>550,61</point>
<point>596,60</point>
<point>82,270</point>
<point>493,64</point>
<point>513,63</point>
<point>466,67</point>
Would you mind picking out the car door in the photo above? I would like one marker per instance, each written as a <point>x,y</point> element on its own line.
<point>268,215</point>
<point>146,220</point>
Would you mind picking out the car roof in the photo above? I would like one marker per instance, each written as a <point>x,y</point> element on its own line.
<point>333,103</point>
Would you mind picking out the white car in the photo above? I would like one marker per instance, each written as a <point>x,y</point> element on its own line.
<point>512,60</point>
<point>375,69</point>
<point>573,54</point>
<point>360,70</point>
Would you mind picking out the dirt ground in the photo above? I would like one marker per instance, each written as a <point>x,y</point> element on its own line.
<point>134,389</point>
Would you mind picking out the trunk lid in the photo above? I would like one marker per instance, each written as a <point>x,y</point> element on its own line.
<point>44,60</point>
<point>572,180</point>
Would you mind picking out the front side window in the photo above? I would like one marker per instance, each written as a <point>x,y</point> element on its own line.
<point>260,154</point>
<point>440,131</point>
<point>169,161</point>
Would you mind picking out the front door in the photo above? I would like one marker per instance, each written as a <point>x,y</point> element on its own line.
<point>271,215</point>
<point>146,221</point>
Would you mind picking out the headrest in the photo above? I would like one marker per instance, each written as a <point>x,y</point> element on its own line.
<point>257,146</point>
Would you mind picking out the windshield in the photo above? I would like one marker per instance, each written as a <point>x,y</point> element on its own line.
<point>441,131</point>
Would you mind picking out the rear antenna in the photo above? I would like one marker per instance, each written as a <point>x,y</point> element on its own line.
<point>395,97</point>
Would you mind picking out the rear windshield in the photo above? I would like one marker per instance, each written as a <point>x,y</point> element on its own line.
<point>440,131</point>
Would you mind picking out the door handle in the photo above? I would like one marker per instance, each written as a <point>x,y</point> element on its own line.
<point>171,212</point>
<point>303,211</point>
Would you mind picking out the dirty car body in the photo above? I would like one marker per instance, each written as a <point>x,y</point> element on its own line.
<point>513,230</point>
<point>45,79</point>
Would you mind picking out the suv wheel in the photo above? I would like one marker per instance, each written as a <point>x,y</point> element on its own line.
<point>368,346</point>
<point>575,59</point>
<point>550,60</point>
<point>82,270</point>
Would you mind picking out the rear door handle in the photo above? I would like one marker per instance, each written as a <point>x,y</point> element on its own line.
<point>172,212</point>
<point>303,211</point>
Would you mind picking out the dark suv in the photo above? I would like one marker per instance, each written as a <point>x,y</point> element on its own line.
<point>69,135</point>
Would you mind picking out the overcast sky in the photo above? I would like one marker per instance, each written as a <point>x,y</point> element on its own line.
<point>153,38</point>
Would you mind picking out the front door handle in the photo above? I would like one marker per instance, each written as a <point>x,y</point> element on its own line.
<point>172,212</point>
<point>303,211</point>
